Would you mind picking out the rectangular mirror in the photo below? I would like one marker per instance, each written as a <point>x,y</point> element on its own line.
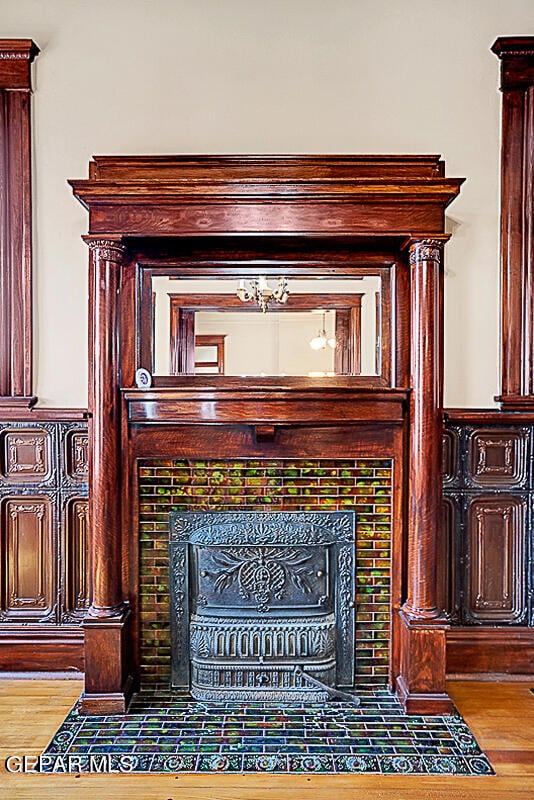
<point>311,327</point>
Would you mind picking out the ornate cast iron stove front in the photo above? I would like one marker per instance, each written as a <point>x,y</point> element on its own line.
<point>262,604</point>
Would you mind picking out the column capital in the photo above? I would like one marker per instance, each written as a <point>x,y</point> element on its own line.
<point>106,249</point>
<point>16,56</point>
<point>425,250</point>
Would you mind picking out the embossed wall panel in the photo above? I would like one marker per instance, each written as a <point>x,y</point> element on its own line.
<point>76,453</point>
<point>496,457</point>
<point>27,454</point>
<point>450,457</point>
<point>77,559</point>
<point>447,557</point>
<point>494,584</point>
<point>28,566</point>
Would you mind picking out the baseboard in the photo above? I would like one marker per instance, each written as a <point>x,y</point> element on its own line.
<point>33,649</point>
<point>472,651</point>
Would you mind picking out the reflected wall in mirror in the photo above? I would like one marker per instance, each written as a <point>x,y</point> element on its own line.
<point>326,327</point>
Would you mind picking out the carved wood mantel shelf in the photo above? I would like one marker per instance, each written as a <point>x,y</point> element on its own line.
<point>301,401</point>
<point>326,213</point>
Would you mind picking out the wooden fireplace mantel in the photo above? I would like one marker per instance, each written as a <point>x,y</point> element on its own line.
<point>138,208</point>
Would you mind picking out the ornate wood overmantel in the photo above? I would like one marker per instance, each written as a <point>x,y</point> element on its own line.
<point>141,209</point>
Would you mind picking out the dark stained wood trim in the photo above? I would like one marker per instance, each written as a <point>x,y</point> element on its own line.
<point>104,430</point>
<point>16,56</point>
<point>425,429</point>
<point>487,416</point>
<point>145,337</point>
<point>43,414</point>
<point>248,166</point>
<point>16,405</point>
<point>421,682</point>
<point>290,441</point>
<point>264,405</point>
<point>516,402</point>
<point>130,358</point>
<point>400,324</point>
<point>181,340</point>
<point>266,195</point>
<point>517,227</point>
<point>33,648</point>
<point>297,302</point>
<point>108,681</point>
<point>212,340</point>
<point>506,650</point>
<point>213,219</point>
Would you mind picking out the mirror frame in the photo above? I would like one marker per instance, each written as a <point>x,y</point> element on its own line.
<point>391,319</point>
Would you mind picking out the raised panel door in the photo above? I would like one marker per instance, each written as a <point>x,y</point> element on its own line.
<point>28,558</point>
<point>494,564</point>
<point>77,559</point>
<point>446,557</point>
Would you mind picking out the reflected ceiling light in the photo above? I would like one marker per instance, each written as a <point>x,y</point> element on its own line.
<point>259,291</point>
<point>320,341</point>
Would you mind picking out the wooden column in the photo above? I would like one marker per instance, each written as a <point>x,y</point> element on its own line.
<point>517,221</point>
<point>425,428</point>
<point>106,672</point>
<point>421,684</point>
<point>16,56</point>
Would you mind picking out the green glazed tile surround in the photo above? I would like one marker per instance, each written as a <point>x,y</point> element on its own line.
<point>362,485</point>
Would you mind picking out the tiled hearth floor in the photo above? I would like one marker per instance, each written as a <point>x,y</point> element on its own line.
<point>166,732</point>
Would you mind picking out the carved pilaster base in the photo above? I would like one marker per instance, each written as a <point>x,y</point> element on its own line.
<point>108,676</point>
<point>109,703</point>
<point>421,683</point>
<point>106,612</point>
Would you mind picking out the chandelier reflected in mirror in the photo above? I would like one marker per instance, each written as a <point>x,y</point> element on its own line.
<point>259,291</point>
<point>320,341</point>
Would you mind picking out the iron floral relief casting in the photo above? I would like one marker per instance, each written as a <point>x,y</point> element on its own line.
<point>262,572</point>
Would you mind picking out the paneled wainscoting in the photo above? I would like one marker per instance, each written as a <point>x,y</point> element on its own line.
<point>486,569</point>
<point>45,553</point>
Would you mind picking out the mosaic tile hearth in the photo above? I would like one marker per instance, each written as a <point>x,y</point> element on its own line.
<point>362,485</point>
<point>165,732</point>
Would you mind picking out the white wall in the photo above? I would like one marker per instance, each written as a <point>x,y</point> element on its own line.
<point>266,76</point>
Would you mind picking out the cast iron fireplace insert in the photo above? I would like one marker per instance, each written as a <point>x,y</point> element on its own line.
<point>262,604</point>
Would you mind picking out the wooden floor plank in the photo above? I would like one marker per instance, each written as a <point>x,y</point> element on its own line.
<point>500,715</point>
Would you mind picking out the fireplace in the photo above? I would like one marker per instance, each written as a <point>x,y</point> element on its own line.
<point>361,488</point>
<point>224,218</point>
<point>262,604</point>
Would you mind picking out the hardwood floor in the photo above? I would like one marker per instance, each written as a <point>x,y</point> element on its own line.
<point>501,716</point>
